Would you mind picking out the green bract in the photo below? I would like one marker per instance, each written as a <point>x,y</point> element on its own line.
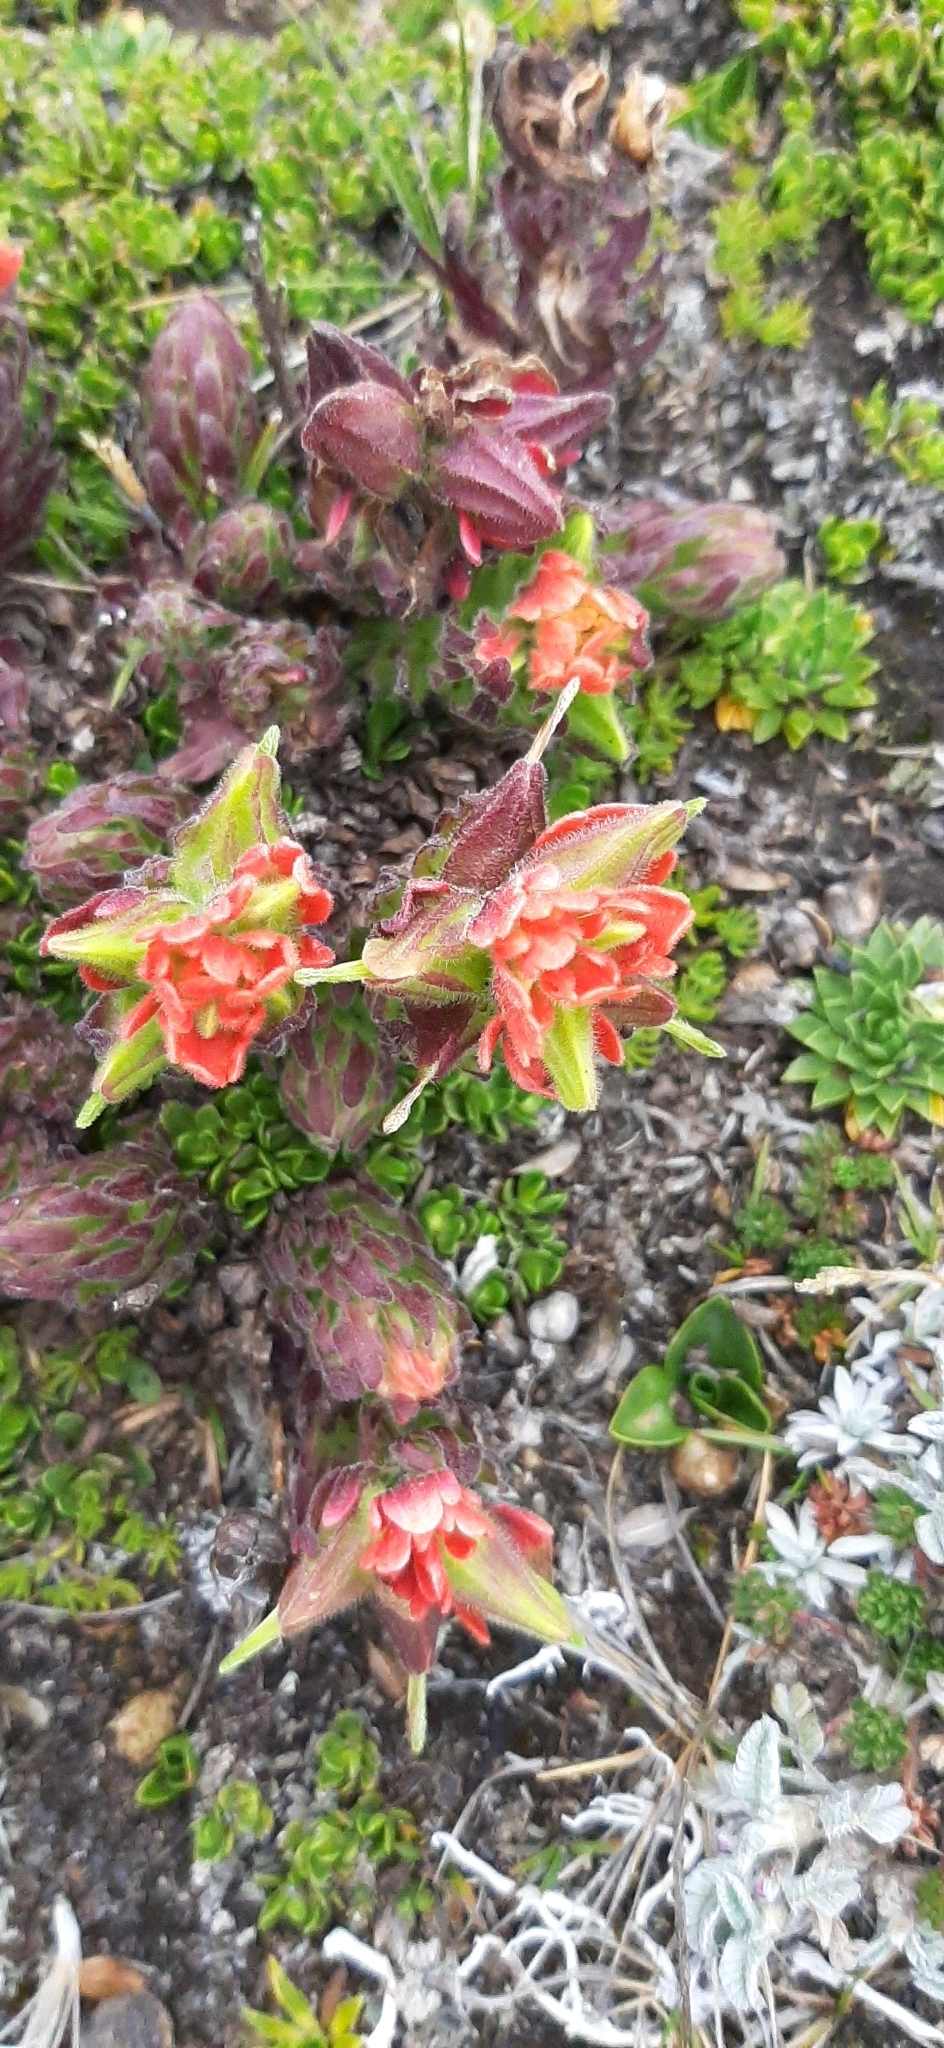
<point>873,1041</point>
<point>790,664</point>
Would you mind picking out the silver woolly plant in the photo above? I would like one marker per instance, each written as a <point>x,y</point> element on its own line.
<point>722,1897</point>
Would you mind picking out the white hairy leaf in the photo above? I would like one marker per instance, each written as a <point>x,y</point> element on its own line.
<point>883,1814</point>
<point>826,1888</point>
<point>738,1970</point>
<point>755,1777</point>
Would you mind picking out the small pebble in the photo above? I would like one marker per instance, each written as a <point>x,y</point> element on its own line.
<point>138,2021</point>
<point>102,1977</point>
<point>556,1160</point>
<point>241,1282</point>
<point>140,1726</point>
<point>795,939</point>
<point>556,1319</point>
<point>503,1338</point>
<point>605,1355</point>
<point>854,908</point>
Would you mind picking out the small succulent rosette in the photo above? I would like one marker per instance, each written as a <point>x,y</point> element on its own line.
<point>407,1533</point>
<point>543,939</point>
<point>195,957</point>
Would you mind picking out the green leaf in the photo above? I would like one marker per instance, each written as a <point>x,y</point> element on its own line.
<point>644,1417</point>
<point>730,1346</point>
<point>691,1039</point>
<point>727,1399</point>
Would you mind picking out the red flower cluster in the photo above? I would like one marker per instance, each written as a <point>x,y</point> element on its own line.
<point>554,947</point>
<point>570,630</point>
<point>208,984</point>
<point>411,1527</point>
<point>197,954</point>
<point>423,1547</point>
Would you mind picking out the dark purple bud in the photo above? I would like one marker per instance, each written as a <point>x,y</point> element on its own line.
<point>337,1078</point>
<point>335,358</point>
<point>199,410</point>
<point>245,557</point>
<point>28,467</point>
<point>695,561</point>
<point>489,476</point>
<point>100,830</point>
<point>89,1229</point>
<point>370,434</point>
<point>495,829</point>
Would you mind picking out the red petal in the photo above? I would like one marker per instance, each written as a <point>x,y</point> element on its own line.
<point>607,1040</point>
<point>470,540</point>
<point>473,1625</point>
<point>337,517</point>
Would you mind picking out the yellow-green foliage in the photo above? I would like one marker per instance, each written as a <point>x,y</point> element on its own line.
<point>132,156</point>
<point>882,161</point>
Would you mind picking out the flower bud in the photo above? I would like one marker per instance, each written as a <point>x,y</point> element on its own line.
<point>490,480</point>
<point>245,556</point>
<point>336,358</point>
<point>86,1230</point>
<point>693,561</point>
<point>199,410</point>
<point>45,1071</point>
<point>28,467</point>
<point>352,1279</point>
<point>337,1079</point>
<point>99,830</point>
<point>368,434</point>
